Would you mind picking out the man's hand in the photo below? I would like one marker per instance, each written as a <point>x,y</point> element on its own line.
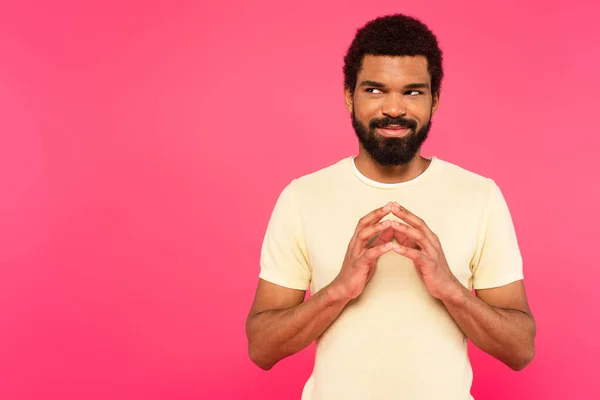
<point>371,239</point>
<point>417,242</point>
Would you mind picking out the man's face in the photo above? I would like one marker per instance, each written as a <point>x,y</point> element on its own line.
<point>391,107</point>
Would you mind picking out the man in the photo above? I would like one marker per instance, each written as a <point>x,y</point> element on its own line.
<point>391,246</point>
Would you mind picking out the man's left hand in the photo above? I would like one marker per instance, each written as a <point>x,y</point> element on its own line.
<point>418,243</point>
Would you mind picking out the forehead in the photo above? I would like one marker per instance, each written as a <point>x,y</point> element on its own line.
<point>394,70</point>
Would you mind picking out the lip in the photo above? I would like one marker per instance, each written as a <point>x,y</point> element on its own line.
<point>393,132</point>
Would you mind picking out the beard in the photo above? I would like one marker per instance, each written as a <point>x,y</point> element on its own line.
<point>391,151</point>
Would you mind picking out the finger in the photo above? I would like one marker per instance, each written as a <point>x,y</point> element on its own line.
<point>374,253</point>
<point>414,221</point>
<point>380,238</point>
<point>369,235</point>
<point>404,240</point>
<point>373,216</point>
<point>372,241</point>
<point>418,257</point>
<point>417,236</point>
<point>386,236</point>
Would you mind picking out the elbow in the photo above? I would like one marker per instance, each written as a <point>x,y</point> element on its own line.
<point>526,351</point>
<point>523,360</point>
<point>257,352</point>
<point>259,359</point>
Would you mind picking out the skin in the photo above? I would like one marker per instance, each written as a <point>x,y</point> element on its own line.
<point>395,95</point>
<point>498,320</point>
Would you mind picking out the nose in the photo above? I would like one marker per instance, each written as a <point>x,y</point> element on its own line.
<point>393,106</point>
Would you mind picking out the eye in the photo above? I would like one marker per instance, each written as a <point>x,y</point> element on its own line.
<point>414,92</point>
<point>374,90</point>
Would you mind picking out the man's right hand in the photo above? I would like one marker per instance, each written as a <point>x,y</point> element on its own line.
<point>281,323</point>
<point>370,241</point>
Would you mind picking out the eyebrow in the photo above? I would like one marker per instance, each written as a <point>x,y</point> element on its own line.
<point>406,87</point>
<point>417,86</point>
<point>372,84</point>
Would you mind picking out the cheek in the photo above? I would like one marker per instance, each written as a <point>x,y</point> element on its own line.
<point>421,110</point>
<point>365,111</point>
<point>364,120</point>
<point>420,114</point>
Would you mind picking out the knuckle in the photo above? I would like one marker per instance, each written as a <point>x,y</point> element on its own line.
<point>369,254</point>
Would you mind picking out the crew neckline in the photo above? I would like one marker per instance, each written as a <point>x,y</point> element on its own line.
<point>370,182</point>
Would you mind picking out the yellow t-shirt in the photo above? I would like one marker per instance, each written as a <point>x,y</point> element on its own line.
<point>395,341</point>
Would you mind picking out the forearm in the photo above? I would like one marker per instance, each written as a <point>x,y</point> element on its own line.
<point>507,335</point>
<point>276,334</point>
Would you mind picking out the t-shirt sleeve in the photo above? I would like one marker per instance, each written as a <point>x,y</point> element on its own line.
<point>498,260</point>
<point>284,259</point>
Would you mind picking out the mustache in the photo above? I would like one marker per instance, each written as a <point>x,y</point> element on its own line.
<point>387,121</point>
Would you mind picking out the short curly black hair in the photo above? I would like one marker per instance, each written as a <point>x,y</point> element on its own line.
<point>394,35</point>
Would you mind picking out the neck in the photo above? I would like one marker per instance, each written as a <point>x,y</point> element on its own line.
<point>393,174</point>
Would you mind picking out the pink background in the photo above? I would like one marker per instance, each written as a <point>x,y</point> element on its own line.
<point>143,145</point>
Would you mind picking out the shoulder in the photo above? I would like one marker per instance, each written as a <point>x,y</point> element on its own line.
<point>321,180</point>
<point>464,180</point>
<point>462,175</point>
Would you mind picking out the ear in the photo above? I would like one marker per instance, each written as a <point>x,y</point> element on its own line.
<point>435,103</point>
<point>349,99</point>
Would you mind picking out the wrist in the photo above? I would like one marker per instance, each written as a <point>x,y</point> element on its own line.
<point>456,295</point>
<point>337,293</point>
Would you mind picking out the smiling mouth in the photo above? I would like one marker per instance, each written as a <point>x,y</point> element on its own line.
<point>393,131</point>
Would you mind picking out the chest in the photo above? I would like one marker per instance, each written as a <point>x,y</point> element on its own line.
<point>331,225</point>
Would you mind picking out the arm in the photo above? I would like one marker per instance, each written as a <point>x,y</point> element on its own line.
<point>281,324</point>
<point>497,320</point>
